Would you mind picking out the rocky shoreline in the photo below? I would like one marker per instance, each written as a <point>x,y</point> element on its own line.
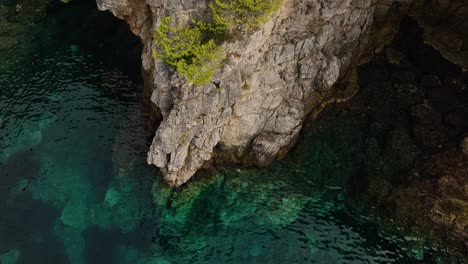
<point>411,109</point>
<point>305,58</point>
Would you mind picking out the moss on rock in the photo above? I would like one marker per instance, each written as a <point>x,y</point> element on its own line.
<point>245,13</point>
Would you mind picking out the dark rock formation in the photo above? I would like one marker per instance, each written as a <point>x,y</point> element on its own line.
<point>416,164</point>
<point>445,28</point>
<point>16,17</point>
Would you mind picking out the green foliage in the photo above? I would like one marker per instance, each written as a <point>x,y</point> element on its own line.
<point>194,50</point>
<point>189,50</point>
<point>246,13</point>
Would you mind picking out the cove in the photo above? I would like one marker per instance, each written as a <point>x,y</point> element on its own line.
<point>75,186</point>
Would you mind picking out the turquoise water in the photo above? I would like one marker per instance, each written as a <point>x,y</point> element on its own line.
<point>75,187</point>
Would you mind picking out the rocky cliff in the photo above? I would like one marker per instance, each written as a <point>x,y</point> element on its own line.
<point>274,77</point>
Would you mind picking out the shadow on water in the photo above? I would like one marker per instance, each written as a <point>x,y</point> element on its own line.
<point>16,223</point>
<point>82,27</point>
<point>101,245</point>
<point>25,225</point>
<point>72,138</point>
<point>21,165</point>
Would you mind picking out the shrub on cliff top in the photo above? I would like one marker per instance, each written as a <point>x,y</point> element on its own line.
<point>246,13</point>
<point>188,49</point>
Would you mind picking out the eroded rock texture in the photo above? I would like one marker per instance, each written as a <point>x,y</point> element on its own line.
<point>445,27</point>
<point>254,107</point>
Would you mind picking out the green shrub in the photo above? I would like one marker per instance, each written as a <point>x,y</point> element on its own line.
<point>246,13</point>
<point>195,50</point>
<point>189,50</point>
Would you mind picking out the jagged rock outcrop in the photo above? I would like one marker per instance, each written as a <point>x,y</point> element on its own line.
<point>445,27</point>
<point>253,109</point>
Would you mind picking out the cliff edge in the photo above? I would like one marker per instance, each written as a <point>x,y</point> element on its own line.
<point>273,78</point>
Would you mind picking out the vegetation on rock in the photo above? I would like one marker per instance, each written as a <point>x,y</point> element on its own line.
<point>188,50</point>
<point>245,13</point>
<point>194,50</point>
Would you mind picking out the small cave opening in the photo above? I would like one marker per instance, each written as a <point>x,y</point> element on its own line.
<point>99,33</point>
<point>80,25</point>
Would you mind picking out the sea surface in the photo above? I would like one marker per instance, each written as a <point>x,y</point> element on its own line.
<point>75,187</point>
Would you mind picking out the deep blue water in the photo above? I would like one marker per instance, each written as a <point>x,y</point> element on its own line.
<point>75,187</point>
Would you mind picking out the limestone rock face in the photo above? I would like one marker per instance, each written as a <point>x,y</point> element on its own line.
<point>253,109</point>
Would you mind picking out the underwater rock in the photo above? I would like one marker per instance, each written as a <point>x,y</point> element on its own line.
<point>32,8</point>
<point>28,136</point>
<point>10,257</point>
<point>128,254</point>
<point>233,196</point>
<point>175,206</point>
<point>75,214</point>
<point>15,25</point>
<point>120,208</point>
<point>286,210</point>
<point>7,43</point>
<point>112,198</point>
<point>430,81</point>
<point>425,114</point>
<point>73,242</point>
<point>73,194</point>
<point>464,146</point>
<point>9,28</point>
<point>157,260</point>
<point>400,150</point>
<point>58,186</point>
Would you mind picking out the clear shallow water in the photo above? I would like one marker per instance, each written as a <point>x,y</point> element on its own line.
<point>75,188</point>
